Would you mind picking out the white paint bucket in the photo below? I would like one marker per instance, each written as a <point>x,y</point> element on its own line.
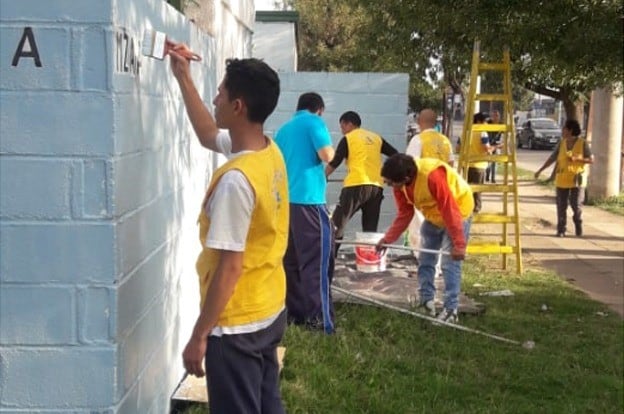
<point>367,259</point>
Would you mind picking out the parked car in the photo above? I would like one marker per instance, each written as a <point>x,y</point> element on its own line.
<point>539,133</point>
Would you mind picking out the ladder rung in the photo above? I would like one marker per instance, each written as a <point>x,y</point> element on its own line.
<point>488,248</point>
<point>492,188</point>
<point>491,97</point>
<point>493,218</point>
<point>491,127</point>
<point>492,66</point>
<point>502,158</point>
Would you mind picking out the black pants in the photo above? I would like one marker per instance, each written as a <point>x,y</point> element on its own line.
<point>476,176</point>
<point>574,197</point>
<point>242,371</point>
<point>352,199</point>
<point>490,172</point>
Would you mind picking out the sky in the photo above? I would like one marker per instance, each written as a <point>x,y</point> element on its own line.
<point>264,4</point>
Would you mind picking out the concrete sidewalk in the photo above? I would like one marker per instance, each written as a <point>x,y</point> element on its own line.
<point>593,263</point>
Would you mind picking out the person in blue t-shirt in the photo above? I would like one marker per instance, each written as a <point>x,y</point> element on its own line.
<point>306,144</point>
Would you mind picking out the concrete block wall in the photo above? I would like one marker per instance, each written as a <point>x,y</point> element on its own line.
<point>381,99</point>
<point>100,181</point>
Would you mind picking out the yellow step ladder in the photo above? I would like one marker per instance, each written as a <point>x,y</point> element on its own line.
<point>508,190</point>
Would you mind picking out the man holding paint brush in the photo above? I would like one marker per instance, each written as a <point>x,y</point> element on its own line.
<point>446,202</point>
<point>243,226</point>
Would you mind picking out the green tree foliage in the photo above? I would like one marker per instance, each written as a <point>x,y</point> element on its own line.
<point>333,37</point>
<point>560,48</point>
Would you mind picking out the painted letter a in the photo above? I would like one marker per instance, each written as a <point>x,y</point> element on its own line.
<point>32,51</point>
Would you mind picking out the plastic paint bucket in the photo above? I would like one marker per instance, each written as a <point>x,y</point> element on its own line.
<point>367,259</point>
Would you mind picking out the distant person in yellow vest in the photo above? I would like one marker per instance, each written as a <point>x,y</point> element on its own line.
<point>445,199</point>
<point>571,155</point>
<point>243,229</point>
<point>495,142</point>
<point>429,143</point>
<point>363,187</point>
<point>479,145</point>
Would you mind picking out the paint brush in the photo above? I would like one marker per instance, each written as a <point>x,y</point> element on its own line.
<point>157,45</point>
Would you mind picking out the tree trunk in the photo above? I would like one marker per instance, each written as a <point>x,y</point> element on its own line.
<point>606,136</point>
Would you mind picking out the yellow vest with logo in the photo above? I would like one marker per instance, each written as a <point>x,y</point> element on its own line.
<point>567,170</point>
<point>364,159</point>
<point>424,201</point>
<point>476,148</point>
<point>435,145</point>
<point>261,289</point>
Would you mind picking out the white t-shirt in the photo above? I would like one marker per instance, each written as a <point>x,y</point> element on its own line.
<point>414,147</point>
<point>230,207</point>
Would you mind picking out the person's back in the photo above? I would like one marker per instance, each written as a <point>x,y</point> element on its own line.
<point>299,139</point>
<point>305,144</point>
<point>364,161</point>
<point>436,145</point>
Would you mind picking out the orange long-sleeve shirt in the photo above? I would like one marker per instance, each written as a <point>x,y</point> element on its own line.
<point>438,186</point>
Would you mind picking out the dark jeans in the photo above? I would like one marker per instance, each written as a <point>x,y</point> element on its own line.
<point>242,371</point>
<point>490,172</point>
<point>574,197</point>
<point>352,199</point>
<point>476,176</point>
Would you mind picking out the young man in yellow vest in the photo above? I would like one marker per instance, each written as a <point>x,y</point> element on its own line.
<point>571,155</point>
<point>363,186</point>
<point>243,229</point>
<point>445,199</point>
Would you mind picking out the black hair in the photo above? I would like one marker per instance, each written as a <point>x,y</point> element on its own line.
<point>573,126</point>
<point>398,167</point>
<point>351,117</point>
<point>478,118</point>
<point>255,83</point>
<point>311,101</point>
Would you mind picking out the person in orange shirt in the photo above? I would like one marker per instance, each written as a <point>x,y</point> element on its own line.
<point>446,201</point>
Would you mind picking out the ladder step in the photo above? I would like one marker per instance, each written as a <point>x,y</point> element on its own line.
<point>502,158</point>
<point>491,97</point>
<point>493,218</point>
<point>489,248</point>
<point>491,128</point>
<point>492,66</point>
<point>492,188</point>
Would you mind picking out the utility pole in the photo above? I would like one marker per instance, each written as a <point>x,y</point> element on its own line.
<point>606,121</point>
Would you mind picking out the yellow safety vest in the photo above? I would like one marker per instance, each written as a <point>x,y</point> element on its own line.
<point>567,170</point>
<point>424,201</point>
<point>261,289</point>
<point>364,158</point>
<point>435,145</point>
<point>476,148</point>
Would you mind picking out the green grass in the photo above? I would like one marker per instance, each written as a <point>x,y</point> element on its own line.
<point>382,361</point>
<point>613,204</point>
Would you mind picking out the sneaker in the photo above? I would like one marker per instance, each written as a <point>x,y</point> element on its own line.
<point>448,315</point>
<point>428,308</point>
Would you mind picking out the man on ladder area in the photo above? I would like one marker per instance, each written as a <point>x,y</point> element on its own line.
<point>476,152</point>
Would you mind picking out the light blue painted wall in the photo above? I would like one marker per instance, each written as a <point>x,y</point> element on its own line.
<point>381,99</point>
<point>100,179</point>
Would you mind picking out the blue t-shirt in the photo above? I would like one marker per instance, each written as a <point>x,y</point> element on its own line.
<point>299,139</point>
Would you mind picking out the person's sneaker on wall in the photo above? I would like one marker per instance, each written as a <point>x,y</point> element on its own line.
<point>448,315</point>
